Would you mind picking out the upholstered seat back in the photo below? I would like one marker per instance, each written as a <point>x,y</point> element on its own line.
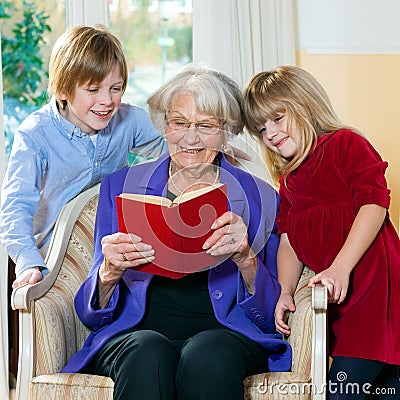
<point>59,332</point>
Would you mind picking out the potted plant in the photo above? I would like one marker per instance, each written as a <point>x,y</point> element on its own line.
<point>23,66</point>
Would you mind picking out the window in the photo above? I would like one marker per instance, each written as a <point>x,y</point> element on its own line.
<point>156,37</point>
<point>157,40</point>
<point>29,30</point>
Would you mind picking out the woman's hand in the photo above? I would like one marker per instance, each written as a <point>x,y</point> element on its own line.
<point>121,251</point>
<point>230,237</point>
<point>284,305</point>
<point>336,281</point>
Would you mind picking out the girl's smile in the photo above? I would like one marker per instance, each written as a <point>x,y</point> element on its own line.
<point>277,138</point>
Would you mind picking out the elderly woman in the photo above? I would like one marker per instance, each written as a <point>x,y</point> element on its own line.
<point>196,337</point>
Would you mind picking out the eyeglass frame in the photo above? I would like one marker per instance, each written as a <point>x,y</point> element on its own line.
<point>188,124</point>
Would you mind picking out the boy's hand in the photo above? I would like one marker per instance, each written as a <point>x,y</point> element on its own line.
<point>29,276</point>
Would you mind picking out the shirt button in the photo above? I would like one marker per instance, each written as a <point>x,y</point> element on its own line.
<point>260,318</point>
<point>217,294</point>
<point>96,163</point>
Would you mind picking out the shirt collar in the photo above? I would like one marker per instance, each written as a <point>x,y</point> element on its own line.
<point>68,128</point>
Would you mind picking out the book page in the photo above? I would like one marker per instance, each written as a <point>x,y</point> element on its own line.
<point>195,193</point>
<point>163,201</point>
<point>147,198</point>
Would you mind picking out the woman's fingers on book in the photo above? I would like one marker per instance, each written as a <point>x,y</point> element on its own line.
<point>127,250</point>
<point>134,238</point>
<point>228,242</point>
<point>229,236</point>
<point>224,220</point>
<point>138,254</point>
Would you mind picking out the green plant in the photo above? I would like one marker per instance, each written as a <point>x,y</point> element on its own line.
<point>4,6</point>
<point>23,70</point>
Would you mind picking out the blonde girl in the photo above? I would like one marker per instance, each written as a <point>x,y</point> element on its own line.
<point>333,218</point>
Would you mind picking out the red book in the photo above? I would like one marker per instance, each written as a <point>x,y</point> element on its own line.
<point>175,229</point>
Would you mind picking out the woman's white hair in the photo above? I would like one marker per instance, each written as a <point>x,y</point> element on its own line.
<point>214,92</point>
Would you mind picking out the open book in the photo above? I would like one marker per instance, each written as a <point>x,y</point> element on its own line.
<point>175,229</point>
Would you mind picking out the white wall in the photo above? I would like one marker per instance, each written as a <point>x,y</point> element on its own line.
<point>349,26</point>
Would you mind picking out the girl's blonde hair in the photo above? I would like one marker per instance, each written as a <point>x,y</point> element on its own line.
<point>84,54</point>
<point>295,92</point>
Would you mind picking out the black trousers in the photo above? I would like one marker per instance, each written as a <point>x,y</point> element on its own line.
<point>356,378</point>
<point>146,365</point>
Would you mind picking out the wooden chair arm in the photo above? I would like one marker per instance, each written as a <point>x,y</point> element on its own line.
<point>319,305</point>
<point>21,297</point>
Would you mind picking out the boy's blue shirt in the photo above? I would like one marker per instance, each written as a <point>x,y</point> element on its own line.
<point>51,162</point>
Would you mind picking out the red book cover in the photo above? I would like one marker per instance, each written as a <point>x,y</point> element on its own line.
<point>176,230</point>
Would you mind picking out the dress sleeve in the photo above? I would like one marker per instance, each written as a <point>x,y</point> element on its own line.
<point>283,207</point>
<point>364,169</point>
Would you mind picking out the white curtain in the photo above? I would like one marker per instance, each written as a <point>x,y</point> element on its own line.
<point>3,269</point>
<point>243,37</point>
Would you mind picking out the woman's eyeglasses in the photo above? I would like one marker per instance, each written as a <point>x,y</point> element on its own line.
<point>203,127</point>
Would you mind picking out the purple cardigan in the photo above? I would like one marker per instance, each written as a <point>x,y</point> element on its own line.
<point>252,315</point>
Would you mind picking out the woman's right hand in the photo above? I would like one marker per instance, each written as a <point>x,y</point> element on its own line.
<point>122,251</point>
<point>284,305</point>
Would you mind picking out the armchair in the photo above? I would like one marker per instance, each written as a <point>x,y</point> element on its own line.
<point>50,331</point>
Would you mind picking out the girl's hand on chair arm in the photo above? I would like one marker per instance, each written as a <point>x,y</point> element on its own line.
<point>336,280</point>
<point>284,306</point>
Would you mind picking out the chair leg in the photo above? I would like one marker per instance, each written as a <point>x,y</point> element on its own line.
<point>12,328</point>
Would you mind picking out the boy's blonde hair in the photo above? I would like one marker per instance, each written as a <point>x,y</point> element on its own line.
<point>84,54</point>
<point>295,92</point>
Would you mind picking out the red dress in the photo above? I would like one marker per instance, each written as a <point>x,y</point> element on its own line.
<point>318,207</point>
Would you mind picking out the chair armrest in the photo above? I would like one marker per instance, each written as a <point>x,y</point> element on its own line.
<point>22,296</point>
<point>319,305</point>
<point>319,299</point>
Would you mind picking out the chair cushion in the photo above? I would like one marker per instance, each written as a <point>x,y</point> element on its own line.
<point>71,386</point>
